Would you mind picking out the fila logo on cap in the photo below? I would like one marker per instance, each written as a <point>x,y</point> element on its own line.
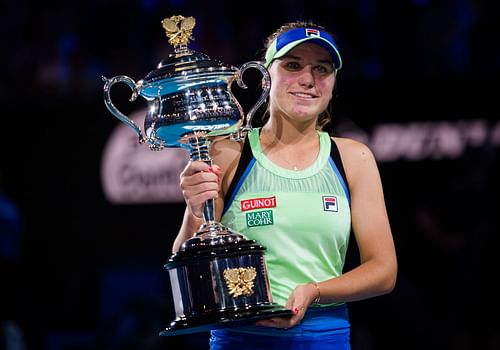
<point>312,32</point>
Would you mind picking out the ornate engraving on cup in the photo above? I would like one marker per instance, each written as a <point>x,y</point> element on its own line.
<point>240,280</point>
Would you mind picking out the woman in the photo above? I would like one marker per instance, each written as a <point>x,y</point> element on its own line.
<point>323,188</point>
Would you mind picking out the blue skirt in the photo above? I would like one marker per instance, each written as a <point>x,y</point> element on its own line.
<point>321,328</point>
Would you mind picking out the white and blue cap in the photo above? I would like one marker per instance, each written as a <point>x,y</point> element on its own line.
<point>286,41</point>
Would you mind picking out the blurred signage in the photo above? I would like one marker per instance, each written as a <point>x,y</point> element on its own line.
<point>132,173</point>
<point>428,140</point>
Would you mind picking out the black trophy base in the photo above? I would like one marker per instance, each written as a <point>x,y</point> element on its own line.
<point>224,319</point>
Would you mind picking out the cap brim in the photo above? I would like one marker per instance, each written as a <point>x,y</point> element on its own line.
<point>332,50</point>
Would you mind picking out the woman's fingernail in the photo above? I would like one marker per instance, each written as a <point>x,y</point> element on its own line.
<point>296,310</point>
<point>217,169</point>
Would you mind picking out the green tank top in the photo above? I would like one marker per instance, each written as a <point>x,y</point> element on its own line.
<point>302,217</point>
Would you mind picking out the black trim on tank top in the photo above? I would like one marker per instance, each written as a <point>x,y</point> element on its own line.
<point>245,158</point>
<point>335,154</point>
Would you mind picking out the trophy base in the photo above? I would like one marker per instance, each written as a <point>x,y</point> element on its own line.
<point>219,280</point>
<point>224,319</point>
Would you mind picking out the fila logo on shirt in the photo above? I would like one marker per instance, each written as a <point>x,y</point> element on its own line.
<point>330,203</point>
<point>312,32</point>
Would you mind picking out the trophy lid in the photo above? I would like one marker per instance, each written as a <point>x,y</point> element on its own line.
<point>184,62</point>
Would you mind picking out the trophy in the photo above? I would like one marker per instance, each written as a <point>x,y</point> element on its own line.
<point>218,277</point>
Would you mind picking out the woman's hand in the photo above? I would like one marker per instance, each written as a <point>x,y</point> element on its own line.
<point>300,299</point>
<point>199,182</point>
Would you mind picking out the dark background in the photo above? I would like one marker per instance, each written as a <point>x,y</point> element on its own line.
<point>81,273</point>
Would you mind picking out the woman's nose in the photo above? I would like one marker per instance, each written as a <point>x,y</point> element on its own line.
<point>307,76</point>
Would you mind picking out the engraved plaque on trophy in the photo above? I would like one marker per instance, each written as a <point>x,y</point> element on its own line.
<point>218,277</point>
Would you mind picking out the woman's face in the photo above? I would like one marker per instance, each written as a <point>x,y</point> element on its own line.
<point>301,83</point>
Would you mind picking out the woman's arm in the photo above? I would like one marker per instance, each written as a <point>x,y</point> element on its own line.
<point>376,274</point>
<point>200,182</point>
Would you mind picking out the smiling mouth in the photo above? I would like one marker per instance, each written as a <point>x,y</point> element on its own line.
<point>303,95</point>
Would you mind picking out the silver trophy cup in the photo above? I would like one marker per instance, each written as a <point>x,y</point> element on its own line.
<point>218,277</point>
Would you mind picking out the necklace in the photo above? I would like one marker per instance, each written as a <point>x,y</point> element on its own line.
<point>279,155</point>
<point>294,167</point>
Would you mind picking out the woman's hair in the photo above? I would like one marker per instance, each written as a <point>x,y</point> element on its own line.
<point>325,117</point>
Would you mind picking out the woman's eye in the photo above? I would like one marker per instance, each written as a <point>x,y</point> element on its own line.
<point>323,69</point>
<point>292,65</point>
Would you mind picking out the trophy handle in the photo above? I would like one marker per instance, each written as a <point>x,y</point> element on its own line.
<point>266,86</point>
<point>111,107</point>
